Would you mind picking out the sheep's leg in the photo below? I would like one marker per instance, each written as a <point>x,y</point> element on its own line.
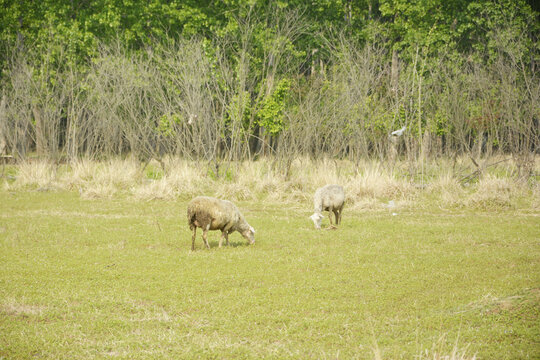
<point>336,214</point>
<point>204,236</point>
<point>193,238</point>
<point>330,212</point>
<point>340,213</point>
<point>226,235</point>
<point>222,237</point>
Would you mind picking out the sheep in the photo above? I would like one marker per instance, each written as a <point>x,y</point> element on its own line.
<point>210,213</point>
<point>329,198</point>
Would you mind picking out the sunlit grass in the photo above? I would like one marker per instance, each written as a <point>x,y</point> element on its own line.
<point>99,278</point>
<point>368,184</point>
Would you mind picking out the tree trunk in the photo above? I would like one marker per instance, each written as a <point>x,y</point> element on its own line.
<point>394,76</point>
<point>41,147</point>
<point>425,150</point>
<point>3,125</point>
<point>478,146</point>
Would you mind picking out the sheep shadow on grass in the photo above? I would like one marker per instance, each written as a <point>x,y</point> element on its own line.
<point>214,244</point>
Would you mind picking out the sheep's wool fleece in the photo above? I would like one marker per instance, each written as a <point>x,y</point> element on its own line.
<point>329,197</point>
<point>220,214</point>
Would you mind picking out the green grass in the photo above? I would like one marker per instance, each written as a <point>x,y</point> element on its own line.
<point>82,279</point>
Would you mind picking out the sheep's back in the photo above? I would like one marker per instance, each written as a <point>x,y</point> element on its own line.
<point>204,210</point>
<point>331,196</point>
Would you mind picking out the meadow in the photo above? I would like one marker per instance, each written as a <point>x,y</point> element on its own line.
<point>96,268</point>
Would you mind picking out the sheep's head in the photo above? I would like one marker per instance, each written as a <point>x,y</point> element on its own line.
<point>249,234</point>
<point>317,218</point>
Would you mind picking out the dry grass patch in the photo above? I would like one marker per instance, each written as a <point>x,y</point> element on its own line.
<point>181,179</point>
<point>82,172</point>
<point>448,189</point>
<point>11,307</point>
<point>40,174</point>
<point>368,184</point>
<point>120,173</point>
<point>154,189</point>
<point>101,179</point>
<point>367,189</point>
<point>535,195</point>
<point>439,352</point>
<point>97,190</point>
<point>527,300</point>
<point>494,193</point>
<point>234,191</point>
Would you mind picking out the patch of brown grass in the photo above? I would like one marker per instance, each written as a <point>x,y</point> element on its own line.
<point>438,352</point>
<point>369,184</point>
<point>493,192</point>
<point>525,299</point>
<point>40,174</point>
<point>11,307</point>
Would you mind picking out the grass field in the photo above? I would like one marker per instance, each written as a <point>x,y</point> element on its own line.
<point>115,278</point>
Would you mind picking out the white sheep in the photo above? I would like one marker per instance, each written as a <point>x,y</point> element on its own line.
<point>214,214</point>
<point>329,198</point>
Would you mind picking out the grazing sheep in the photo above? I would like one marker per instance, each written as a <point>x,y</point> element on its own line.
<point>214,214</point>
<point>329,198</point>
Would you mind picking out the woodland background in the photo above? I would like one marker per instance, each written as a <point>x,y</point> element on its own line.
<point>234,80</point>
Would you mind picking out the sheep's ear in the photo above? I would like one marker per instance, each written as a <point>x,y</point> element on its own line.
<point>252,229</point>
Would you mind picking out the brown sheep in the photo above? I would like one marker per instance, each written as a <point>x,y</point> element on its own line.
<point>209,213</point>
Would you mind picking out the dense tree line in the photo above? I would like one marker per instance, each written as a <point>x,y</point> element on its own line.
<point>433,24</point>
<point>231,79</point>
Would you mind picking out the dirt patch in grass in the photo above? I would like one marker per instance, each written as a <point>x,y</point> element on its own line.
<point>17,309</point>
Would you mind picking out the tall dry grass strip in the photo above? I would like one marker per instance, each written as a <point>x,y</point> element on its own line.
<point>369,184</point>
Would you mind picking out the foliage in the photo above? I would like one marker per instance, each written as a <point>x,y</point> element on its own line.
<point>167,123</point>
<point>430,25</point>
<point>271,115</point>
<point>208,79</point>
